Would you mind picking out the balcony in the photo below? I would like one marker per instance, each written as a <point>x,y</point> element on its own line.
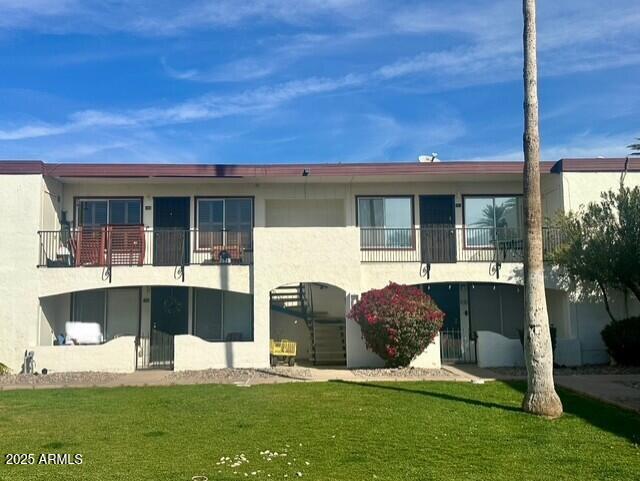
<point>444,245</point>
<point>135,245</point>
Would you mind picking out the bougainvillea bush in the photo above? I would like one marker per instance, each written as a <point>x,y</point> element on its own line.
<point>397,322</point>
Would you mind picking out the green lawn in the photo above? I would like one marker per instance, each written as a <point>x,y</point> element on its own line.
<point>384,431</point>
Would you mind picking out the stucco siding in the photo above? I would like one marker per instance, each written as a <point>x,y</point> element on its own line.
<point>117,355</point>
<point>20,197</point>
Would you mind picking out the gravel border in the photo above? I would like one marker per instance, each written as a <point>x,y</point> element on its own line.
<point>401,373</point>
<point>231,376</point>
<point>59,378</point>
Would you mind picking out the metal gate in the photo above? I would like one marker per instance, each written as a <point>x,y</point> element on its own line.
<point>156,351</point>
<point>454,347</point>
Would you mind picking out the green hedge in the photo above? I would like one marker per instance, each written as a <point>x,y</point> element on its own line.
<point>622,339</point>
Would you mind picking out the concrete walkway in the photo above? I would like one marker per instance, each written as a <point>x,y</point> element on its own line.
<point>622,390</point>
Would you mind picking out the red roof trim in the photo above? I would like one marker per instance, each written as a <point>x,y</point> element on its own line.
<point>272,170</point>
<point>598,165</point>
<point>315,170</point>
<point>21,167</point>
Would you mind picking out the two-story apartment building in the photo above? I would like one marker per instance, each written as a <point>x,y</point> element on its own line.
<point>118,267</point>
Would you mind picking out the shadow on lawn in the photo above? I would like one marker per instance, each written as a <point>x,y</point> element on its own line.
<point>606,417</point>
<point>438,395</point>
<point>601,415</point>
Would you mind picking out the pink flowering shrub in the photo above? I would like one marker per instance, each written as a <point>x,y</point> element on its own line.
<point>397,322</point>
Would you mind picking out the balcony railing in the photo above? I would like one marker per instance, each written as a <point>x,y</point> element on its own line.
<point>439,245</point>
<point>134,245</point>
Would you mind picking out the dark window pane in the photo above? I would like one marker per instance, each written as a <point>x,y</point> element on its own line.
<point>93,212</point>
<point>133,212</point>
<point>124,211</point>
<point>238,215</point>
<point>88,306</point>
<point>117,212</point>
<point>238,316</point>
<point>371,212</point>
<point>210,214</point>
<point>208,314</point>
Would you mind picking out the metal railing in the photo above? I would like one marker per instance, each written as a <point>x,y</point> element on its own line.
<point>108,246</point>
<point>156,351</point>
<point>456,347</point>
<point>438,245</point>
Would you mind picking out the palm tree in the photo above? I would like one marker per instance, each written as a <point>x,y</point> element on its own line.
<point>541,397</point>
<point>635,148</point>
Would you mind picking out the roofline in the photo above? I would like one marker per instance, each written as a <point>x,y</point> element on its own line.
<point>70,170</point>
<point>613,164</point>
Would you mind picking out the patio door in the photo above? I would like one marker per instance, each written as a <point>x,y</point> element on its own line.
<point>438,229</point>
<point>171,231</point>
<point>455,345</point>
<point>169,317</point>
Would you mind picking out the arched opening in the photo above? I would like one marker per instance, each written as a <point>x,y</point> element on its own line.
<point>312,315</point>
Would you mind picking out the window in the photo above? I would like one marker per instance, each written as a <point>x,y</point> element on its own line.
<point>100,212</point>
<point>492,219</point>
<point>124,211</point>
<point>208,314</point>
<point>224,221</point>
<point>116,311</point>
<point>386,222</point>
<point>93,213</point>
<point>88,306</point>
<point>223,315</point>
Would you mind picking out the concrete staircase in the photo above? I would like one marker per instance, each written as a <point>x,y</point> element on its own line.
<point>327,334</point>
<point>329,343</point>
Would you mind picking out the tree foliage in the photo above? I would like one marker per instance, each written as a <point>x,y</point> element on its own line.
<point>622,339</point>
<point>398,322</point>
<point>601,244</point>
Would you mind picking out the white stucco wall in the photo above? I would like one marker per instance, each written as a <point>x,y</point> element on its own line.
<point>301,254</point>
<point>53,281</point>
<point>117,355</point>
<point>282,255</point>
<point>20,198</point>
<point>580,188</point>
<point>495,350</point>
<point>193,353</point>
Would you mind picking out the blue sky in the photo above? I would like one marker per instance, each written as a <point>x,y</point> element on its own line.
<point>312,80</point>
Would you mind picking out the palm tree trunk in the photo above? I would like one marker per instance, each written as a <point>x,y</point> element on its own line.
<point>541,397</point>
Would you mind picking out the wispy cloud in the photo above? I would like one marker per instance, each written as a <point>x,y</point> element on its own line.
<point>438,45</point>
<point>584,144</point>
<point>385,137</point>
<point>207,107</point>
<point>442,70</point>
<point>236,71</point>
<point>165,17</point>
